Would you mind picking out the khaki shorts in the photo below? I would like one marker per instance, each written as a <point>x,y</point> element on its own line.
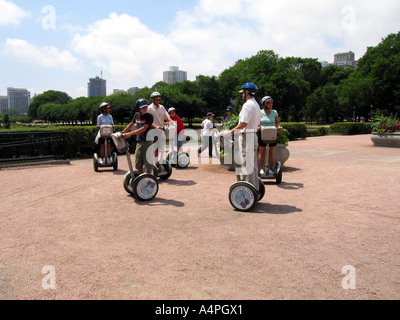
<point>140,155</point>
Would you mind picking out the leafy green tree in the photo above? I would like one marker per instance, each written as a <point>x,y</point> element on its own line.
<point>57,97</point>
<point>355,95</point>
<point>381,64</point>
<point>6,120</point>
<point>334,74</point>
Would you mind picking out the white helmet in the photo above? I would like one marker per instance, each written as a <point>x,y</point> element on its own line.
<point>265,99</point>
<point>155,94</point>
<point>171,109</point>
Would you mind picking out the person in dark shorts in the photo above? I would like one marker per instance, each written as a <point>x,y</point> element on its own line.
<point>269,117</point>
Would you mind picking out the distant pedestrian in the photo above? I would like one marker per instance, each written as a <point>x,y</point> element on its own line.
<point>206,135</point>
<point>229,114</point>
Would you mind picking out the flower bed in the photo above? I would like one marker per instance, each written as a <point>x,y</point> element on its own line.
<point>386,132</point>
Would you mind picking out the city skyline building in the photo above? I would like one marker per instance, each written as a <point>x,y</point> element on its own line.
<point>3,104</point>
<point>174,75</point>
<point>97,87</point>
<point>18,99</point>
<point>345,60</point>
<point>133,90</point>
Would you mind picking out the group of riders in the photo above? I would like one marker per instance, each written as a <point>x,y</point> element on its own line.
<point>148,116</point>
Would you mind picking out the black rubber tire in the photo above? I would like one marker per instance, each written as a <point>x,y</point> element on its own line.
<point>246,204</point>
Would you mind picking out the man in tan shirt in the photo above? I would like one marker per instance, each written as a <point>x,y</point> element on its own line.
<point>160,115</point>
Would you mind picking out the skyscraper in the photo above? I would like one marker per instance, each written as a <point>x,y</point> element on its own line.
<point>3,104</point>
<point>174,75</point>
<point>97,87</point>
<point>18,99</point>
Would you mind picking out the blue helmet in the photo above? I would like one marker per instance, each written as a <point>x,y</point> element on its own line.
<point>229,108</point>
<point>141,103</point>
<point>249,86</point>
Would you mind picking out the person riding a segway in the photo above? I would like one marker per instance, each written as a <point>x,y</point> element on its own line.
<point>249,189</point>
<point>141,182</point>
<point>162,167</point>
<point>177,157</point>
<point>105,124</point>
<point>142,121</point>
<point>267,137</point>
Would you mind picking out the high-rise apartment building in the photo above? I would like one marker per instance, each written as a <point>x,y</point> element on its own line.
<point>174,75</point>
<point>133,90</point>
<point>18,99</point>
<point>97,87</point>
<point>345,59</point>
<point>3,104</point>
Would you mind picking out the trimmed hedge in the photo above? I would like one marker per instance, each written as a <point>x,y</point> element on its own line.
<point>296,130</point>
<point>351,128</point>
<point>80,141</point>
<point>318,132</point>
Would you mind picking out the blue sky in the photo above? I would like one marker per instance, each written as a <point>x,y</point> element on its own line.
<point>59,45</point>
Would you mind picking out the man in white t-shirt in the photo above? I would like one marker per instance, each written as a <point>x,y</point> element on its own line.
<point>207,135</point>
<point>160,115</point>
<point>249,120</point>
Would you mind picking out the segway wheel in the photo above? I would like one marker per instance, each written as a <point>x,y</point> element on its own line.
<point>164,174</point>
<point>279,173</point>
<point>128,182</point>
<point>172,157</point>
<point>243,196</point>
<point>96,163</point>
<point>261,192</point>
<point>145,187</point>
<point>115,162</point>
<point>183,160</point>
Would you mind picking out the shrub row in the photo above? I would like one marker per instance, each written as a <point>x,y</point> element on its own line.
<point>318,132</point>
<point>351,128</point>
<point>80,141</point>
<point>296,130</point>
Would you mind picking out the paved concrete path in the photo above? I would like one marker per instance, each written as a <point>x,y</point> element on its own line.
<point>329,231</point>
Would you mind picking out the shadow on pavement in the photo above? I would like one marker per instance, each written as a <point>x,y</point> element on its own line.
<point>267,208</point>
<point>160,202</point>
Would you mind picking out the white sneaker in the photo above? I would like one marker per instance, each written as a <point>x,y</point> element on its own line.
<point>271,173</point>
<point>262,173</point>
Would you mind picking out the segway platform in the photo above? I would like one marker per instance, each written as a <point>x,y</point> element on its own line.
<point>269,135</point>
<point>277,176</point>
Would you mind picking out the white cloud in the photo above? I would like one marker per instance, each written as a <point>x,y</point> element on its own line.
<point>49,57</point>
<point>219,29</point>
<point>214,34</point>
<point>126,49</point>
<point>11,14</point>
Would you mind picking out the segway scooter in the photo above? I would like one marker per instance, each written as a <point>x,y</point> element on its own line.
<point>105,132</point>
<point>143,187</point>
<point>243,195</point>
<point>177,159</point>
<point>269,135</point>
